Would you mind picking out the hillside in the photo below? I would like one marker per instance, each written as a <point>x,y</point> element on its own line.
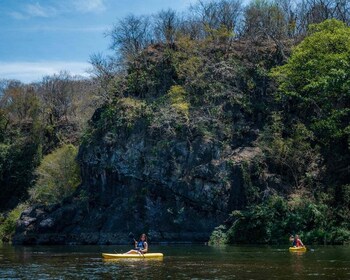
<point>232,140</point>
<point>193,141</point>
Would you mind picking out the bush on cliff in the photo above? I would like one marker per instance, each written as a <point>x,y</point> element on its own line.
<point>58,176</point>
<point>8,223</point>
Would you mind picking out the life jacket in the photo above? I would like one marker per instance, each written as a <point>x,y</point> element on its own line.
<point>298,244</point>
<point>141,245</point>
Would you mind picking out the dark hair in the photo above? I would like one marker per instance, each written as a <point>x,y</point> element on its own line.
<point>143,234</point>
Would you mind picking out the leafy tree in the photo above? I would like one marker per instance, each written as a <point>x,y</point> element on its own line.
<point>276,218</point>
<point>19,162</point>
<point>316,80</point>
<point>58,176</point>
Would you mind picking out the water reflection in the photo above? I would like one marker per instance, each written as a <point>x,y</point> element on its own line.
<point>297,262</point>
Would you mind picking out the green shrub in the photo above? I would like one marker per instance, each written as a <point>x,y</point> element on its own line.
<point>274,220</point>
<point>339,236</point>
<point>218,236</point>
<point>58,176</point>
<point>264,223</point>
<point>8,223</point>
<point>177,96</point>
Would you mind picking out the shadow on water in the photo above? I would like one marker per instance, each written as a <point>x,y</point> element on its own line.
<point>179,262</point>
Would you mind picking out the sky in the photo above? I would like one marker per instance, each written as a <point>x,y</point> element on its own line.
<point>43,37</point>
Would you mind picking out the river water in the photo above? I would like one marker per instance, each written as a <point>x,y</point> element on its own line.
<point>179,262</point>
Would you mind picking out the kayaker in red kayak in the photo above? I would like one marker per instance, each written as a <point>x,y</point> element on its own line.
<point>296,241</point>
<point>141,246</point>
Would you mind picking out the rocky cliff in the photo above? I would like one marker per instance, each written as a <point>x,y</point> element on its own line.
<point>172,155</point>
<point>180,195</point>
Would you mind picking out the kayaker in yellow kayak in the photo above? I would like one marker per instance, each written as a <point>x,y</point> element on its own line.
<point>296,241</point>
<point>141,246</point>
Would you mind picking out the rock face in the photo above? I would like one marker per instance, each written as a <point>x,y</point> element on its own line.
<point>178,193</point>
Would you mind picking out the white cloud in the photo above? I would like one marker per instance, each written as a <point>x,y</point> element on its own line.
<point>87,6</point>
<point>60,7</point>
<point>47,28</point>
<point>34,71</point>
<point>17,15</point>
<point>36,10</point>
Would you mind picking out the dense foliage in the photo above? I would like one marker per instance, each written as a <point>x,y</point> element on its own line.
<point>276,218</point>
<point>316,80</point>
<point>309,148</point>
<point>35,119</point>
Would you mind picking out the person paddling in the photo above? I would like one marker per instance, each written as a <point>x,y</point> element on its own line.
<point>296,241</point>
<point>141,246</point>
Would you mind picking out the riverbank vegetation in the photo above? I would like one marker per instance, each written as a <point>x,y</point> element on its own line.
<point>272,75</point>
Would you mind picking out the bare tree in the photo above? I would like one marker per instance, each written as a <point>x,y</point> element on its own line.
<point>20,102</point>
<point>105,70</point>
<point>166,25</point>
<point>288,8</point>
<point>316,11</point>
<point>191,27</point>
<point>57,94</point>
<point>230,12</point>
<point>265,19</point>
<point>342,10</point>
<point>216,14</point>
<point>4,85</point>
<point>131,35</point>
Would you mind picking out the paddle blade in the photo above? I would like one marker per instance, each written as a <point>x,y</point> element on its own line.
<point>131,235</point>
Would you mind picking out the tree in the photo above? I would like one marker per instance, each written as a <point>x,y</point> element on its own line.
<point>67,103</point>
<point>266,19</point>
<point>316,79</point>
<point>131,35</point>
<point>293,157</point>
<point>316,11</point>
<point>20,102</point>
<point>20,141</point>
<point>217,14</point>
<point>58,176</point>
<point>166,24</point>
<point>57,94</point>
<point>104,70</point>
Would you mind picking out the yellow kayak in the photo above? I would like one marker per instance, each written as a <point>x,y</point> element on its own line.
<point>132,256</point>
<point>297,249</point>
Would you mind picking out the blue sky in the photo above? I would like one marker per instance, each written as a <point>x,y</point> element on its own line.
<point>41,37</point>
